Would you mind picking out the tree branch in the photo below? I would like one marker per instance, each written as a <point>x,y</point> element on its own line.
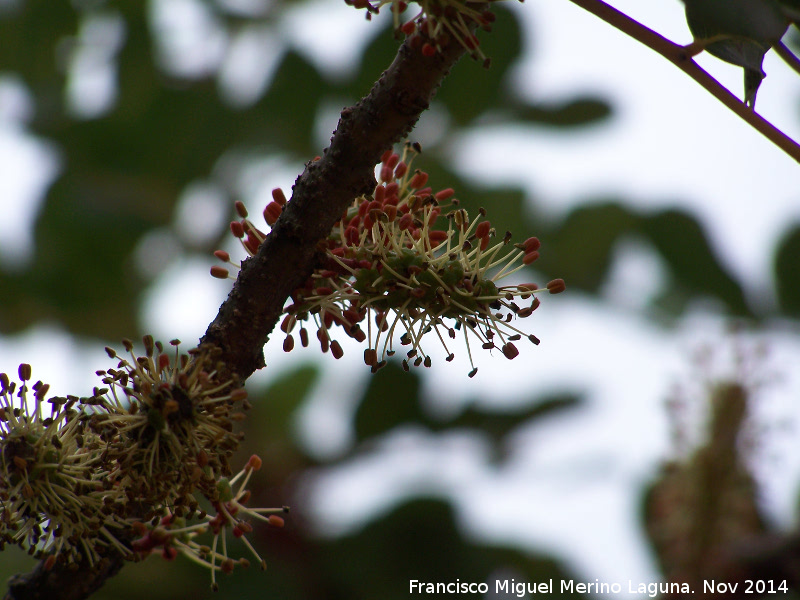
<point>61,582</point>
<point>288,256</point>
<point>679,56</point>
<point>320,197</point>
<point>788,56</point>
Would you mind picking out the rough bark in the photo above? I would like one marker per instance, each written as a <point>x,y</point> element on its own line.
<point>319,198</point>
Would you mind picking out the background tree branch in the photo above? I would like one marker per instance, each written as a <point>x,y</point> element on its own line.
<point>680,57</point>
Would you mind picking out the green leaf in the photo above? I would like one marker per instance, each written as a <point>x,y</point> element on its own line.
<point>787,272</point>
<point>285,116</point>
<point>391,398</point>
<point>497,424</point>
<point>123,172</point>
<point>32,32</point>
<point>580,249</point>
<point>82,273</point>
<point>376,56</point>
<point>582,110</point>
<point>470,90</point>
<point>274,409</point>
<point>420,541</point>
<point>697,271</point>
<point>270,428</point>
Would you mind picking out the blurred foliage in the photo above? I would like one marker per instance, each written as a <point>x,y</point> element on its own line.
<point>121,175</point>
<point>787,272</point>
<point>393,399</point>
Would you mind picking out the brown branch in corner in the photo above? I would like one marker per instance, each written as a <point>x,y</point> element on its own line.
<point>63,583</point>
<point>679,56</point>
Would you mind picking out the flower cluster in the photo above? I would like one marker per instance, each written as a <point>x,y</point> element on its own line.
<point>52,494</point>
<point>389,268</point>
<point>82,477</point>
<point>173,533</point>
<point>166,423</point>
<point>438,23</point>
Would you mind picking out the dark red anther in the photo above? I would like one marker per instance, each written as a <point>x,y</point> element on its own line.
<point>530,257</point>
<point>433,216</point>
<point>324,341</point>
<point>351,236</point>
<point>278,196</point>
<point>444,194</point>
<point>219,272</point>
<point>370,357</point>
<point>437,237</point>
<point>272,212</point>
<point>556,286</point>
<point>237,229</point>
<point>400,170</point>
<point>510,351</point>
<point>531,244</point>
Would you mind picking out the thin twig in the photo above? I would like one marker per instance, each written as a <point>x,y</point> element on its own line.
<point>681,57</point>
<point>788,56</point>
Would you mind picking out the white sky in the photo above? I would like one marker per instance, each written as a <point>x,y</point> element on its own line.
<point>670,144</point>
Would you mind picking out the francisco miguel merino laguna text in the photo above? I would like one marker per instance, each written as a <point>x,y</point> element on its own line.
<point>521,588</point>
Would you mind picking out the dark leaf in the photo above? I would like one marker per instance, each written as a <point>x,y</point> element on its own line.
<point>787,272</point>
<point>683,244</point>
<point>392,398</point>
<point>580,249</point>
<point>576,112</point>
<point>420,541</point>
<point>469,89</point>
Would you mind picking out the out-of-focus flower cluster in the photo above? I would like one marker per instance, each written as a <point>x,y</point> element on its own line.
<point>439,23</point>
<point>125,470</point>
<point>407,260</point>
